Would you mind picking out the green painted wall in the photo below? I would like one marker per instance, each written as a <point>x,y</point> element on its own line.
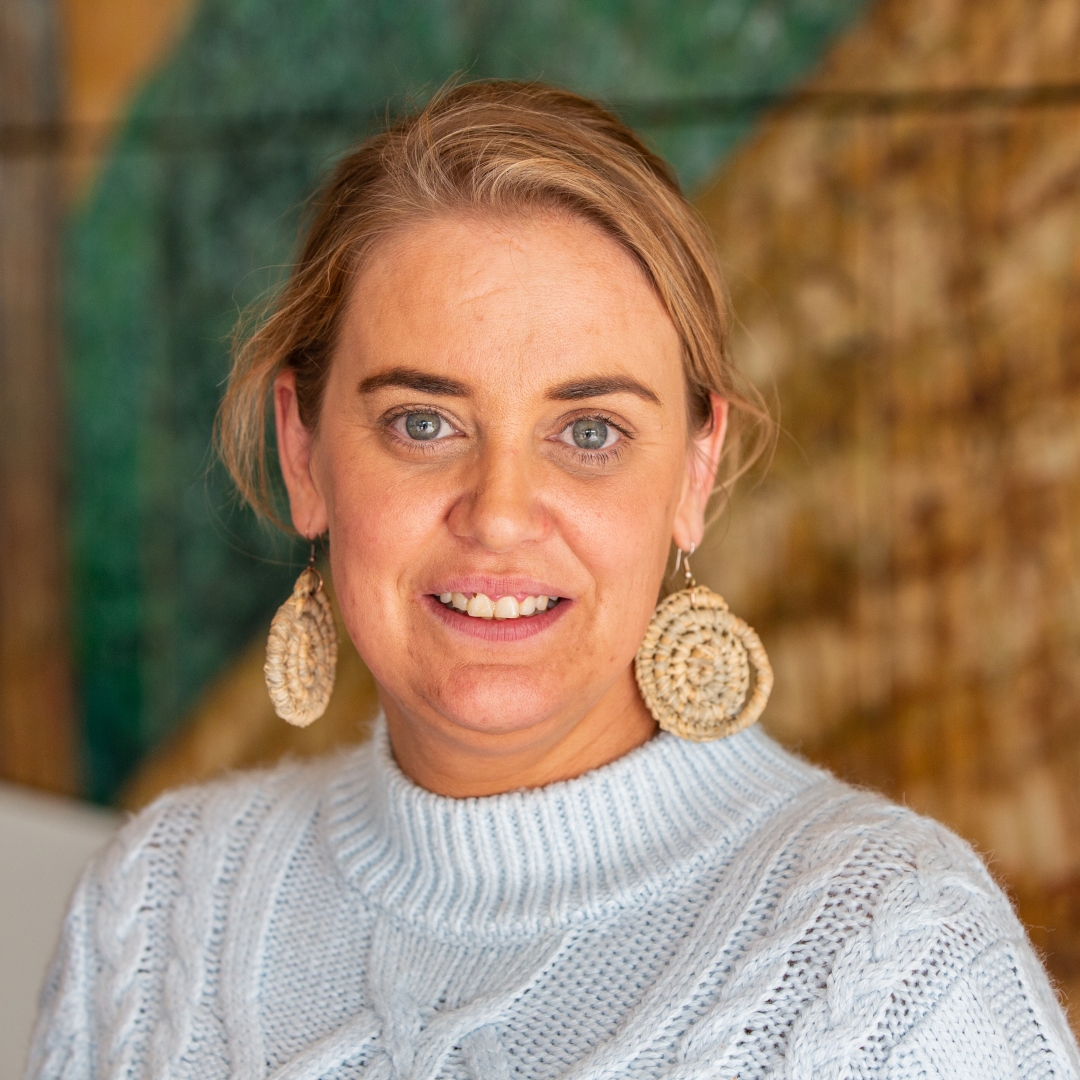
<point>199,205</point>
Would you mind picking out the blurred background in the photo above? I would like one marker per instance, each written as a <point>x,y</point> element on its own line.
<point>893,186</point>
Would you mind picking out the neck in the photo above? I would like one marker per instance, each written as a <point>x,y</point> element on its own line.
<point>449,759</point>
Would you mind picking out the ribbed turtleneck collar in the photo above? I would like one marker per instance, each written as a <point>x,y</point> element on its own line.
<point>527,860</point>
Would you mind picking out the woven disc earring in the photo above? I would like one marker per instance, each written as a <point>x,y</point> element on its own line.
<point>301,652</point>
<point>693,668</point>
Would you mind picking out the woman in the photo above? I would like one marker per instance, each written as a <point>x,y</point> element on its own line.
<point>501,387</point>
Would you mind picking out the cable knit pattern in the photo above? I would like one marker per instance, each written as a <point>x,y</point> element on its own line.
<point>689,911</point>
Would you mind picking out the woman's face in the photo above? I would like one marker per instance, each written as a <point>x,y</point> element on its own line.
<point>504,426</point>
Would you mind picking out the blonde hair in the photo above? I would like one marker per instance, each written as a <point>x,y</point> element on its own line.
<point>491,147</point>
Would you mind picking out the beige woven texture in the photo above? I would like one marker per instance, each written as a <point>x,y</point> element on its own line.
<point>301,653</point>
<point>910,284</point>
<point>693,668</point>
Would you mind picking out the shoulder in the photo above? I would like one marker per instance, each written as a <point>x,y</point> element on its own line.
<point>813,836</point>
<point>195,841</point>
<point>897,874</point>
<point>198,825</point>
<point>135,953</point>
<point>832,830</point>
<point>888,922</point>
<point>180,881</point>
<point>171,879</point>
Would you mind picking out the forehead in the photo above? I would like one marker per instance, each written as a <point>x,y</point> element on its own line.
<point>538,297</point>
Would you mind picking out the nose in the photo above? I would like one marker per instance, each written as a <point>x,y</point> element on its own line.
<point>500,508</point>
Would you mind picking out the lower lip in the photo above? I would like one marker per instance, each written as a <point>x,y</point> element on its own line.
<point>524,626</point>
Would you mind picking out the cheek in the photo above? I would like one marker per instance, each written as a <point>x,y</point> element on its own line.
<point>380,524</point>
<point>622,533</point>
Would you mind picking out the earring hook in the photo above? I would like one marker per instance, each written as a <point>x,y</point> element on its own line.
<point>683,558</point>
<point>311,563</point>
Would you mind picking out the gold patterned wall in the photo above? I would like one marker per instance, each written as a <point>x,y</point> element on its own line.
<point>906,273</point>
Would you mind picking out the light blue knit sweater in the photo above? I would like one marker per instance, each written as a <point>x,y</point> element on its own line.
<point>688,911</point>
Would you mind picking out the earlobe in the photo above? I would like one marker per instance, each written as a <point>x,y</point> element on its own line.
<point>295,445</point>
<point>702,462</point>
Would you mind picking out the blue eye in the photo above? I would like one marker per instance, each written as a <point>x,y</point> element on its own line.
<point>423,425</point>
<point>589,434</point>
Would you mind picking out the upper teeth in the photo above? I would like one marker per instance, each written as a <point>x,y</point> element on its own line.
<point>480,606</point>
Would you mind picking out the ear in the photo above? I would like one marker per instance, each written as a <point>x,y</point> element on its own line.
<point>295,442</point>
<point>702,461</point>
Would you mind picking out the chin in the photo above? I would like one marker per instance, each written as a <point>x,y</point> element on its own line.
<point>500,701</point>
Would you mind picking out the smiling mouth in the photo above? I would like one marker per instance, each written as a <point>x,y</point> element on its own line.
<point>481,606</point>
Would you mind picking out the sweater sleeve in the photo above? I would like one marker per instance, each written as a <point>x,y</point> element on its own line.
<point>89,1005</point>
<point>117,1000</point>
<point>60,1048</point>
<point>1000,1018</point>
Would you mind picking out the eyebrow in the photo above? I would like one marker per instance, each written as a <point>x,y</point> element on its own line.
<point>599,387</point>
<point>576,390</point>
<point>412,379</point>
